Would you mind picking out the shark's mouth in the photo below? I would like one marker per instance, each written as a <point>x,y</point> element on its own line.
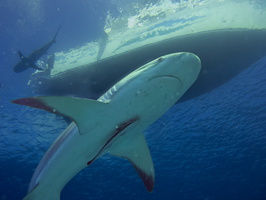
<point>119,128</point>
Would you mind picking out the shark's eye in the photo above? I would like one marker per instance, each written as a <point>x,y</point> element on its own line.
<point>160,59</point>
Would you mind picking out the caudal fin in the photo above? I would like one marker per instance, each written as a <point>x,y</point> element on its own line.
<point>41,193</point>
<point>56,33</point>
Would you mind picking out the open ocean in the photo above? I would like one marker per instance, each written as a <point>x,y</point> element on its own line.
<point>212,147</point>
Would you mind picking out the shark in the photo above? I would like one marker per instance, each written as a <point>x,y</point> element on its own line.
<point>113,124</point>
<point>29,62</point>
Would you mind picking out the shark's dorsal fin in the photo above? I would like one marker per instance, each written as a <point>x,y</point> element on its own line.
<point>21,56</point>
<point>77,109</point>
<point>135,149</point>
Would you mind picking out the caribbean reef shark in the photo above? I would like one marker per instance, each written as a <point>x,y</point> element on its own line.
<point>112,124</point>
<point>27,62</point>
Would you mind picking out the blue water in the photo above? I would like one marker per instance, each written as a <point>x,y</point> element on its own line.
<point>212,147</point>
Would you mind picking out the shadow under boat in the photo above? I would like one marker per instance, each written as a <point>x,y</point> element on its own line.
<point>224,54</point>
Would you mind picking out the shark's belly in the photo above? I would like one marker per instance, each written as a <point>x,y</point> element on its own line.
<point>64,159</point>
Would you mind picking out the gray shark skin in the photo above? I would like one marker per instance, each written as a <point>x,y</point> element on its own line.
<point>29,62</point>
<point>113,124</point>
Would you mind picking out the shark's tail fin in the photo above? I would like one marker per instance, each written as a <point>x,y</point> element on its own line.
<point>56,33</point>
<point>42,194</point>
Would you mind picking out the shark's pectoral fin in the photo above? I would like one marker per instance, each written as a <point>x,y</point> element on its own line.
<point>135,149</point>
<point>77,109</point>
<point>21,56</point>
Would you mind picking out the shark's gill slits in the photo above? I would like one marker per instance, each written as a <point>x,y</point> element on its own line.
<point>109,94</point>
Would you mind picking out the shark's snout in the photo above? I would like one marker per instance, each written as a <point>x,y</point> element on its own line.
<point>191,60</point>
